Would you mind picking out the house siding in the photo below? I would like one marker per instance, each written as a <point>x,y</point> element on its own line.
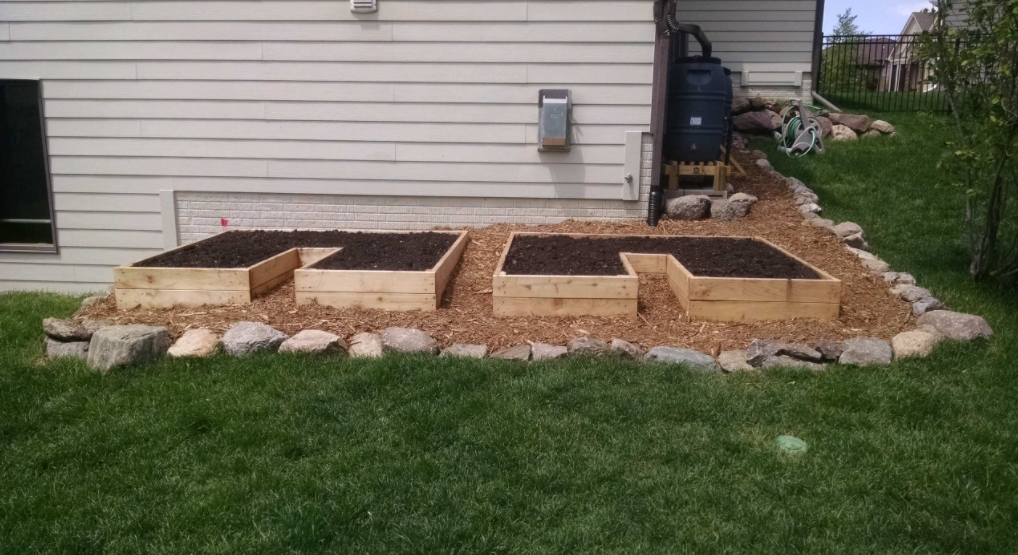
<point>164,117</point>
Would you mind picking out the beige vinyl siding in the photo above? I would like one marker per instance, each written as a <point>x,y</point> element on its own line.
<point>428,98</point>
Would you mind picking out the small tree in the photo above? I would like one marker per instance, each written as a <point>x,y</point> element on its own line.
<point>846,25</point>
<point>842,59</point>
<point>976,67</point>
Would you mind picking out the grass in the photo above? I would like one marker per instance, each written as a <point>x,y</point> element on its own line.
<point>422,455</point>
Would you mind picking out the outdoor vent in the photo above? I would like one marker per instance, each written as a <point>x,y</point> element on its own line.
<point>363,6</point>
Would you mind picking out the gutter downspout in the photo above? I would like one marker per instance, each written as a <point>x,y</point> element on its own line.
<point>658,107</point>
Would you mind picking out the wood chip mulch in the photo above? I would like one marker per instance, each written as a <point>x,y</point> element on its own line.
<point>867,308</point>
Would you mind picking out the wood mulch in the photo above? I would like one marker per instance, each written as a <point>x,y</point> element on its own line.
<point>867,308</point>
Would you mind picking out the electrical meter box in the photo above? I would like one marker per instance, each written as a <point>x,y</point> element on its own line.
<point>555,108</point>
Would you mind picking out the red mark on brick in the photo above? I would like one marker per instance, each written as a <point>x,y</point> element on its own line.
<point>223,222</point>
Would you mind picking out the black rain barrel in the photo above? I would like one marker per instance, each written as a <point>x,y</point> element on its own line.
<point>699,100</point>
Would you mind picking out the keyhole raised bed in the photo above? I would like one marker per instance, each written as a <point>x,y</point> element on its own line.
<point>731,279</point>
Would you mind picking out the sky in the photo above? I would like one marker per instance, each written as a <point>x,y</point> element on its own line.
<point>879,17</point>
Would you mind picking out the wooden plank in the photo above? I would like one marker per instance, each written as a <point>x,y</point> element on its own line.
<point>204,279</point>
<point>283,264</point>
<point>647,263</point>
<point>523,306</point>
<point>310,255</point>
<point>353,281</point>
<point>567,287</point>
<point>678,276</point>
<point>745,289</point>
<point>271,284</point>
<point>444,269</point>
<point>162,298</point>
<point>819,272</point>
<point>379,301</point>
<point>748,311</point>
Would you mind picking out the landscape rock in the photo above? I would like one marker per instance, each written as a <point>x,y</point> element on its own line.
<point>857,241</point>
<point>464,350</point>
<point>829,349</point>
<point>794,184</point>
<point>757,102</point>
<point>70,349</point>
<point>876,266</point>
<point>857,123</point>
<point>65,330</point>
<point>871,133</point>
<point>200,342</point>
<point>408,340</point>
<point>728,210</point>
<point>316,342</point>
<point>758,154</point>
<point>911,293</point>
<point>955,325</point>
<point>742,198</point>
<point>695,360</point>
<point>366,345</point>
<point>543,351</point>
<point>847,229</point>
<point>92,326</point>
<point>861,253</point>
<point>625,349</point>
<point>587,345</point>
<point>94,299</point>
<point>688,208</point>
<point>757,121</point>
<point>520,352</point>
<point>810,208</point>
<point>825,126</point>
<point>116,346</point>
<point>741,104</point>
<point>882,126</point>
<point>245,338</point>
<point>923,306</point>
<point>760,350</point>
<point>915,343</point>
<point>763,163</point>
<point>865,351</point>
<point>842,133</point>
<point>899,278</point>
<point>805,197</point>
<point>783,361</point>
<point>734,361</point>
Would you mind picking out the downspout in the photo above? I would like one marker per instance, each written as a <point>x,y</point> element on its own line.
<point>818,44</point>
<point>658,107</point>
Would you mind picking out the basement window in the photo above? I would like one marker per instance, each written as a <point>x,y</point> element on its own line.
<point>26,207</point>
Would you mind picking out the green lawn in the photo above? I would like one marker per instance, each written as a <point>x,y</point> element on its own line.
<point>422,455</point>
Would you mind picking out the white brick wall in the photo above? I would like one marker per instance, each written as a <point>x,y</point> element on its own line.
<point>199,214</point>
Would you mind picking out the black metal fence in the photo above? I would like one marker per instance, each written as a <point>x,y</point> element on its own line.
<point>877,72</point>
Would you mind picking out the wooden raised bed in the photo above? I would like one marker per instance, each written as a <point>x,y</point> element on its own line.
<point>706,298</point>
<point>385,290</point>
<point>148,287</point>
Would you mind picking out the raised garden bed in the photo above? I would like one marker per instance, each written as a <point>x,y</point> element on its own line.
<point>233,267</point>
<point>733,279</point>
<point>341,279</point>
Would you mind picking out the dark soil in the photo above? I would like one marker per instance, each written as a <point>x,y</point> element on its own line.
<point>361,251</point>
<point>702,256</point>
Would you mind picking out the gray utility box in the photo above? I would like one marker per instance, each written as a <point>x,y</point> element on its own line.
<point>555,108</point>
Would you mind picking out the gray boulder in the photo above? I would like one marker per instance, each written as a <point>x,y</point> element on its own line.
<point>760,350</point>
<point>688,208</point>
<point>822,223</point>
<point>742,198</point>
<point>543,351</point>
<point>726,210</point>
<point>741,104</point>
<point>408,340</point>
<point>625,349</point>
<point>805,197</point>
<point>520,352</point>
<point>876,267</point>
<point>810,208</point>
<point>882,127</point>
<point>783,361</point>
<point>115,346</point>
<point>911,293</point>
<point>857,123</point>
<point>955,325</point>
<point>695,360</point>
<point>464,350</point>
<point>826,125</point>
<point>198,342</point>
<point>587,345</point>
<point>915,343</point>
<point>829,350</point>
<point>857,241</point>
<point>316,342</point>
<point>734,361</point>
<point>245,338</point>
<point>764,164</point>
<point>758,121</point>
<point>65,330</point>
<point>365,345</point>
<point>923,306</point>
<point>866,351</point>
<point>757,103</point>
<point>841,133</point>
<point>70,349</point>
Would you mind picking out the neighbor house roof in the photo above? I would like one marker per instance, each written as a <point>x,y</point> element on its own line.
<point>925,20</point>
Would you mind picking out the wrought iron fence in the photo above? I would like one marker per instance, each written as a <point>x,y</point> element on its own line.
<point>877,72</point>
